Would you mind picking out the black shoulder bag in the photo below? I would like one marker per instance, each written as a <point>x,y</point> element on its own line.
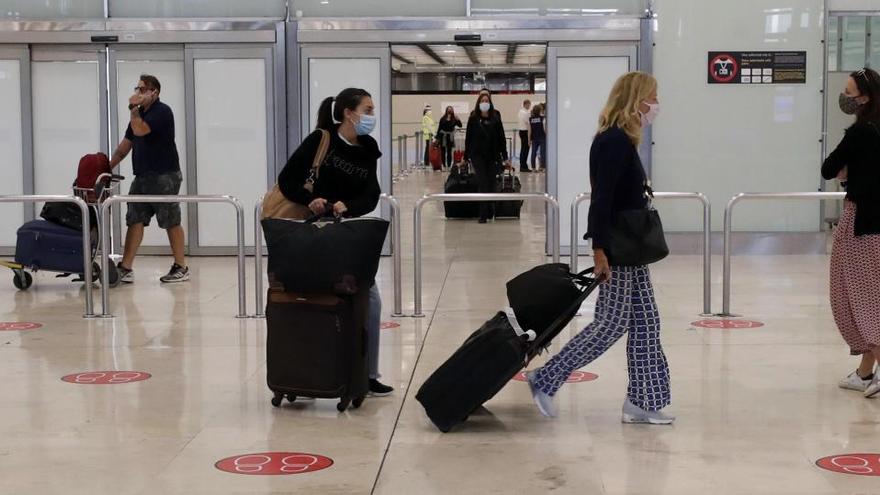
<point>637,236</point>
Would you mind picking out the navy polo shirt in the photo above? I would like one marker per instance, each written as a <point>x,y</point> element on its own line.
<point>155,153</point>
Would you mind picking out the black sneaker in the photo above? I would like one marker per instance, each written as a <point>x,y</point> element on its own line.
<point>378,389</point>
<point>176,274</point>
<point>126,275</point>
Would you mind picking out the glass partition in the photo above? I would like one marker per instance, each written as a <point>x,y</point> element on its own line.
<point>557,7</point>
<point>198,8</point>
<point>51,9</point>
<point>377,8</point>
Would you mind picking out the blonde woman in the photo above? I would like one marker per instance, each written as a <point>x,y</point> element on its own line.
<point>626,297</point>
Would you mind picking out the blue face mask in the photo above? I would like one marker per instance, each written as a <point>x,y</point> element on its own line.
<point>365,125</point>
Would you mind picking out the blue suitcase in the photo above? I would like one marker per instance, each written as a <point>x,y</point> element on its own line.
<point>43,245</point>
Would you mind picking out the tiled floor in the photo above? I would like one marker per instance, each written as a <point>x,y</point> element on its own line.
<point>756,407</point>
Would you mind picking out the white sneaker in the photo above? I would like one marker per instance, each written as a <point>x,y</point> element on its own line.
<point>873,390</point>
<point>854,382</point>
<point>543,401</point>
<point>633,414</point>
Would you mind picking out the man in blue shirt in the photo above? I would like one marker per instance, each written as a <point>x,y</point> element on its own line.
<point>150,139</point>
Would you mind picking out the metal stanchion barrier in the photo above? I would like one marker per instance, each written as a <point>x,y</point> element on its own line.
<point>552,232</point>
<point>707,237</point>
<point>239,221</point>
<point>86,241</point>
<point>728,228</point>
<point>397,256</point>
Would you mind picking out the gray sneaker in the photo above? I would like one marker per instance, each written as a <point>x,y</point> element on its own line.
<point>542,400</point>
<point>176,274</point>
<point>632,414</point>
<point>125,275</point>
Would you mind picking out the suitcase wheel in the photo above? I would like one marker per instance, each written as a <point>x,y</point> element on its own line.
<point>343,405</point>
<point>357,402</point>
<point>291,398</point>
<point>276,400</point>
<point>22,280</point>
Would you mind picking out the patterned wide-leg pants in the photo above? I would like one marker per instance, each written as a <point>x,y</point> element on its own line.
<point>855,284</point>
<point>626,304</point>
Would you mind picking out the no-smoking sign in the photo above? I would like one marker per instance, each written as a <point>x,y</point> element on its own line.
<point>856,464</point>
<point>106,377</point>
<point>727,324</point>
<point>16,326</point>
<point>274,463</point>
<point>575,377</point>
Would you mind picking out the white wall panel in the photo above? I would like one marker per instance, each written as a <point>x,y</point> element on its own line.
<point>376,8</point>
<point>858,5</point>
<point>66,121</point>
<point>11,215</point>
<point>171,76</point>
<point>723,140</point>
<point>49,9</point>
<point>197,8</point>
<point>231,137</point>
<point>583,86</point>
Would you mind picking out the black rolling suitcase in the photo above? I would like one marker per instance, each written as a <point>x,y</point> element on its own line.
<point>504,345</point>
<point>508,183</point>
<point>461,181</point>
<point>316,347</point>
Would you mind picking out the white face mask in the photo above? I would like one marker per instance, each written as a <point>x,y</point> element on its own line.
<point>648,118</point>
<point>484,107</point>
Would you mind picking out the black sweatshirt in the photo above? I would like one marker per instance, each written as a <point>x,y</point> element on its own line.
<point>348,173</point>
<point>485,139</point>
<point>446,131</point>
<point>859,152</point>
<point>618,182</point>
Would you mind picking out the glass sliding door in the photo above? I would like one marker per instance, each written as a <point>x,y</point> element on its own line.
<point>15,156</point>
<point>579,79</point>
<point>233,128</point>
<point>69,112</point>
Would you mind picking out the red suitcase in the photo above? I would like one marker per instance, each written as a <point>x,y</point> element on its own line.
<point>435,157</point>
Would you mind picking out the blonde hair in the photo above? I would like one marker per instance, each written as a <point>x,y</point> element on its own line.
<point>622,109</point>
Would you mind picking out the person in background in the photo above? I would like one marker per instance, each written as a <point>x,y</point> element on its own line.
<point>538,138</point>
<point>427,131</point>
<point>156,166</point>
<point>855,255</point>
<point>524,127</point>
<point>446,135</point>
<point>347,185</point>
<point>486,148</point>
<point>626,297</point>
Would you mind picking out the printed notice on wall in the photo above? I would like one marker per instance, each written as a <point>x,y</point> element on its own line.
<point>757,68</point>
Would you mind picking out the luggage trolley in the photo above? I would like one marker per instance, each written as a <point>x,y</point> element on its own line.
<point>57,246</point>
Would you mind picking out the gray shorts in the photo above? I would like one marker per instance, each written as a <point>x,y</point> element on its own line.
<point>167,214</point>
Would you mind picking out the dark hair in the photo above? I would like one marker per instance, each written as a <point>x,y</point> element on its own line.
<point>868,82</point>
<point>527,102</point>
<point>536,110</point>
<point>446,113</point>
<point>348,98</point>
<point>152,82</point>
<point>477,112</point>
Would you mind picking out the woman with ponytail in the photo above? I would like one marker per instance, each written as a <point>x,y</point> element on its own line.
<point>346,184</point>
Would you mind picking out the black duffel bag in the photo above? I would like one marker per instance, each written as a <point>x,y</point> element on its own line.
<point>335,256</point>
<point>541,295</point>
<point>67,215</point>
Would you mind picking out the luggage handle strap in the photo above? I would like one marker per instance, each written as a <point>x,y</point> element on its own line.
<point>530,335</point>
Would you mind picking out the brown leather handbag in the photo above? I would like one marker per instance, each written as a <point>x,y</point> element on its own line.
<point>275,205</point>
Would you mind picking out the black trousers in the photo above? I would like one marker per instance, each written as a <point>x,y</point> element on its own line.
<point>427,152</point>
<point>446,153</point>
<point>523,150</point>
<point>486,173</point>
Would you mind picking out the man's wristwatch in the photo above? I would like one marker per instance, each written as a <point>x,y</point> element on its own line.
<point>133,106</point>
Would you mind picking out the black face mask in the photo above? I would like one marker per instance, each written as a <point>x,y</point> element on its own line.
<point>848,104</point>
